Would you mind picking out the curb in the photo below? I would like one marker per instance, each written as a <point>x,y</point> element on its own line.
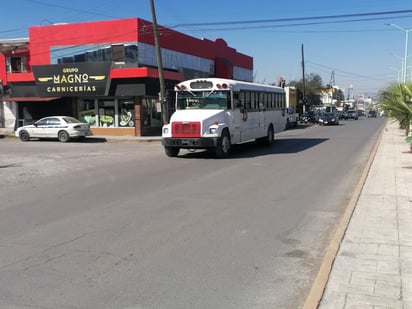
<point>106,139</point>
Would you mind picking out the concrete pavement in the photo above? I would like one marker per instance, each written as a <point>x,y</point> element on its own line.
<point>373,264</point>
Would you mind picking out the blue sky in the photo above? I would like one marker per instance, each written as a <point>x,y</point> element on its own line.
<point>364,54</point>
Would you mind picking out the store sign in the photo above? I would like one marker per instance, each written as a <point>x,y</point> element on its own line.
<point>72,79</point>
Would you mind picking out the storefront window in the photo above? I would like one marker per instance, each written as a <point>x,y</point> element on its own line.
<point>106,113</point>
<point>126,113</point>
<point>87,112</point>
<point>151,113</point>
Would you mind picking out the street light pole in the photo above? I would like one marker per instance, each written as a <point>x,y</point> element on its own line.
<point>405,63</point>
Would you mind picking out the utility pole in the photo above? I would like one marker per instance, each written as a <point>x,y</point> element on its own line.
<point>162,94</point>
<point>332,89</point>
<point>303,81</point>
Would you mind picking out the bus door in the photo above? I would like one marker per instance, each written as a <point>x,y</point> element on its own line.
<point>247,124</point>
<point>235,124</point>
<point>249,118</point>
<point>261,130</point>
<point>241,132</point>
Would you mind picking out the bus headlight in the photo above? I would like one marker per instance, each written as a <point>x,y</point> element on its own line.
<point>212,130</point>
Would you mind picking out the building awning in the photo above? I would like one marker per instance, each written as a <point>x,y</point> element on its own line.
<point>29,99</point>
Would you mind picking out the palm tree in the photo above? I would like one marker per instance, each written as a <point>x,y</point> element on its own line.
<point>397,102</point>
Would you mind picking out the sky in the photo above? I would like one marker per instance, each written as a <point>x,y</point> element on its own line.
<point>350,43</point>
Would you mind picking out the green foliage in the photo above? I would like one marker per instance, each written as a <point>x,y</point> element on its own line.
<point>396,100</point>
<point>339,96</point>
<point>313,82</point>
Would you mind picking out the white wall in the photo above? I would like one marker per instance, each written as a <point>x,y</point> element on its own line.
<point>8,112</point>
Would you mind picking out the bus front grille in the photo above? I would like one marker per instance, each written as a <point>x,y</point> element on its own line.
<point>186,129</point>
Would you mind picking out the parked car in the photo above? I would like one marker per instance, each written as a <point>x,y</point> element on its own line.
<point>62,128</point>
<point>293,118</point>
<point>328,119</point>
<point>351,114</point>
<point>372,113</point>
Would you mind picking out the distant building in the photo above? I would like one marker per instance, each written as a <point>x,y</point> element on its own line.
<point>327,97</point>
<point>291,97</point>
<point>106,73</point>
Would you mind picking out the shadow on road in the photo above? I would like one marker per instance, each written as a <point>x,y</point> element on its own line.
<point>254,149</point>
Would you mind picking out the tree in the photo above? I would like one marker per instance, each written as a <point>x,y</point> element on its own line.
<point>313,82</point>
<point>339,96</point>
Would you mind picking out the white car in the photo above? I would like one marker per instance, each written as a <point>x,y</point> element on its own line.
<point>61,127</point>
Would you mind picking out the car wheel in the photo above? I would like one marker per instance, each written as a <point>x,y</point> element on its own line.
<point>224,145</point>
<point>63,136</point>
<point>24,136</point>
<point>172,151</point>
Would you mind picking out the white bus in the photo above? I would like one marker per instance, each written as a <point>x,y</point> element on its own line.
<point>215,113</point>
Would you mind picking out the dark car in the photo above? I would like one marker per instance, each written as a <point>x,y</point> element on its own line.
<point>326,119</point>
<point>373,114</point>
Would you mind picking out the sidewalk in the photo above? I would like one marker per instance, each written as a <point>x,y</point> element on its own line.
<point>373,267</point>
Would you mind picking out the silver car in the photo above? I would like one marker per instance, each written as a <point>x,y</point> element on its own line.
<point>62,128</point>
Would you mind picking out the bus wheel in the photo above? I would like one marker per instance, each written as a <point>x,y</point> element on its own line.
<point>270,136</point>
<point>268,139</point>
<point>224,145</point>
<point>172,151</point>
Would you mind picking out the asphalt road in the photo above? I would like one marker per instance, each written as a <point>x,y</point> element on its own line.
<point>120,225</point>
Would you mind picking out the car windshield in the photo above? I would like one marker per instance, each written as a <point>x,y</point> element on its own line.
<point>203,100</point>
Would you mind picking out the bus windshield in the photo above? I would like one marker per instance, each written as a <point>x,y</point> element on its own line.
<point>203,100</point>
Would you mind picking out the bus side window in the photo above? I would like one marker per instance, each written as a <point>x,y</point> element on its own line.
<point>241,100</point>
<point>248,103</point>
<point>236,101</point>
<point>228,104</point>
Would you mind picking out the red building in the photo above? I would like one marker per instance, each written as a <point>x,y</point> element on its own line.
<point>106,73</point>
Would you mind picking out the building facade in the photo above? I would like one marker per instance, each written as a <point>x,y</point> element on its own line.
<point>106,73</point>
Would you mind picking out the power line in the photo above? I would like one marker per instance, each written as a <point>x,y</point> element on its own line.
<point>277,20</point>
<point>346,72</point>
<point>68,8</point>
<point>299,24</point>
